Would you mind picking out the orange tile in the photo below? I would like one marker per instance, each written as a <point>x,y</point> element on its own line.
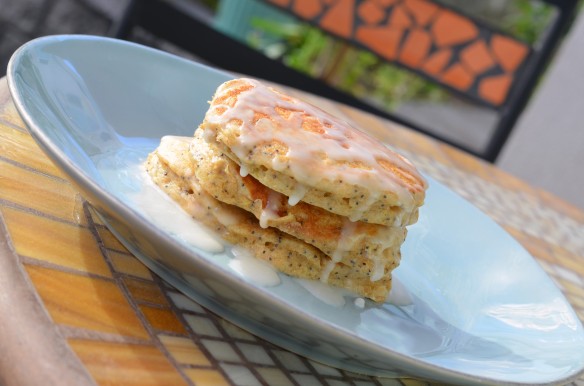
<point>456,76</point>
<point>509,52</point>
<point>55,242</point>
<point>307,9</point>
<point>477,57</point>
<point>110,241</point>
<point>145,291</point>
<point>162,319</point>
<point>495,88</point>
<point>415,48</point>
<point>370,12</point>
<point>20,147</point>
<point>339,18</point>
<point>450,28</point>
<point>204,377</point>
<point>436,63</point>
<point>184,350</point>
<point>86,302</point>
<point>95,217</point>
<point>41,193</point>
<point>126,364</point>
<point>422,10</point>
<point>128,264</point>
<point>382,40</point>
<point>399,18</point>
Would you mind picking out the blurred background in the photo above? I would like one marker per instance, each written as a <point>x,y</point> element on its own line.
<point>546,147</point>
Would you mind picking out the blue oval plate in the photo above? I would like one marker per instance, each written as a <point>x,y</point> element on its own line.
<point>481,310</point>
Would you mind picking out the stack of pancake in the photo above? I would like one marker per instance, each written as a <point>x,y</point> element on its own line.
<point>299,188</point>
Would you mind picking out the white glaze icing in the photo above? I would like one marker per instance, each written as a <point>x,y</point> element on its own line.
<point>255,270</point>
<point>345,243</point>
<point>272,208</point>
<point>298,194</point>
<point>243,171</point>
<point>314,154</point>
<point>330,295</point>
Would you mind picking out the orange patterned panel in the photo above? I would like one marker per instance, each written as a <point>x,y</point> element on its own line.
<point>434,41</point>
<point>339,18</point>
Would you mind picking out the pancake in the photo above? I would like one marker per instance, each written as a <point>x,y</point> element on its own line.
<point>170,166</point>
<point>307,155</point>
<point>359,243</point>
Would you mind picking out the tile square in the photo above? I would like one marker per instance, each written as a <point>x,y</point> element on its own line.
<point>221,351</point>
<point>42,193</point>
<point>145,291</point>
<point>23,149</point>
<point>236,332</point>
<point>55,242</point>
<point>325,370</point>
<point>255,353</point>
<point>184,350</point>
<point>274,376</point>
<point>162,319</point>
<point>240,375</point>
<point>129,265</point>
<point>205,377</point>
<point>203,326</point>
<point>185,303</point>
<point>126,364</point>
<point>86,302</point>
<point>110,241</point>
<point>290,361</point>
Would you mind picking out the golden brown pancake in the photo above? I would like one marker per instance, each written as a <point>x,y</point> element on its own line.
<point>170,167</point>
<point>304,153</point>
<point>299,188</point>
<point>372,244</point>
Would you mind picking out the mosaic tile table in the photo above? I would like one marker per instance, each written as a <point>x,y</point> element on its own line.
<point>77,308</point>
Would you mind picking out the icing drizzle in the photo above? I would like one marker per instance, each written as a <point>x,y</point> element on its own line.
<point>319,145</point>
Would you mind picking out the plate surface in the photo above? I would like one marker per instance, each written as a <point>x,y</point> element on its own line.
<point>480,308</point>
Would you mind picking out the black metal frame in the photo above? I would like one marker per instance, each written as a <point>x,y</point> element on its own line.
<point>170,19</point>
